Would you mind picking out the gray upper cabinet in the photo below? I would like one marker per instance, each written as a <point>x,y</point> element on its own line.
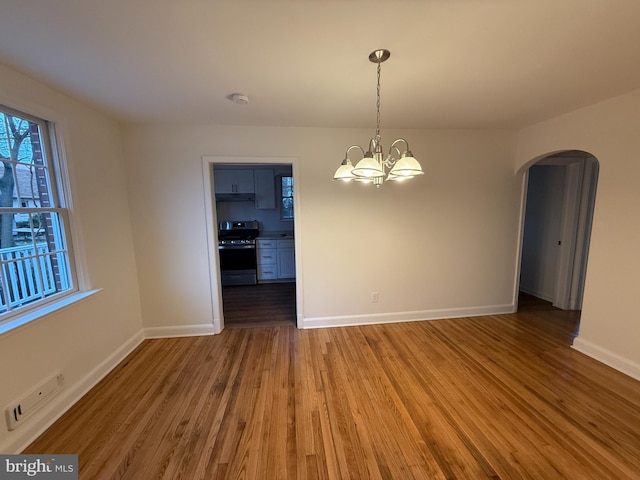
<point>265,189</point>
<point>233,181</point>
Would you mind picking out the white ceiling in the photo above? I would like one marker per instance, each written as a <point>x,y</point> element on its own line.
<point>454,63</point>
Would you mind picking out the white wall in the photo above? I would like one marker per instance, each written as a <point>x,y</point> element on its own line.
<point>610,324</point>
<point>441,245</point>
<point>86,339</point>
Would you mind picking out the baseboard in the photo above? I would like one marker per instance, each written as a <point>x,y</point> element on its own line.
<point>607,357</point>
<point>397,317</point>
<point>179,331</point>
<point>20,438</point>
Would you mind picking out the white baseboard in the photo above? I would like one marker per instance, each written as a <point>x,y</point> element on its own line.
<point>396,317</point>
<point>179,331</point>
<point>20,438</point>
<point>607,357</point>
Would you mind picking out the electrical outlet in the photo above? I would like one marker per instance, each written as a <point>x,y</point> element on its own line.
<point>374,297</point>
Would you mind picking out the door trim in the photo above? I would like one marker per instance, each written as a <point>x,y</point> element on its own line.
<point>208,161</point>
<point>582,171</point>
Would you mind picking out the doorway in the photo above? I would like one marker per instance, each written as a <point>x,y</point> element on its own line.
<point>559,204</point>
<point>271,201</point>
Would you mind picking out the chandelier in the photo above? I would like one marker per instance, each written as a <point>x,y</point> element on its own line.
<point>373,166</point>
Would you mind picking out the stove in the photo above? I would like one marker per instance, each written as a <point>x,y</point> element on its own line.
<point>237,252</point>
<point>238,230</point>
<point>240,241</point>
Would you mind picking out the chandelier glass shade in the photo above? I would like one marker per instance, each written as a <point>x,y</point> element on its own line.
<point>399,163</point>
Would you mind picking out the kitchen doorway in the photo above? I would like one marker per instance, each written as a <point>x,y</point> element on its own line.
<point>253,191</point>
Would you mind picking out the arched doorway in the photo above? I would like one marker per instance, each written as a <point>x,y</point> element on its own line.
<point>558,213</point>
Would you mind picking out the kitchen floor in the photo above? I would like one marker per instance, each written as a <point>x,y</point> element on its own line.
<point>267,304</point>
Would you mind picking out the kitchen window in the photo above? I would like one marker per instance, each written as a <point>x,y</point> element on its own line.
<point>286,197</point>
<point>36,264</point>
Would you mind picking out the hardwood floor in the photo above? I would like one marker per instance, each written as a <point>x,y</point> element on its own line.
<point>265,305</point>
<point>562,324</point>
<point>496,397</point>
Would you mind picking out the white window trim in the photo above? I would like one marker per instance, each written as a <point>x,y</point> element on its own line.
<point>58,131</point>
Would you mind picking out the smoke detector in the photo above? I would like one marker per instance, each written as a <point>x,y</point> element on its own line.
<point>239,98</point>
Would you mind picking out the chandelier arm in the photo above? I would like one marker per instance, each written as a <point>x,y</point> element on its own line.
<point>393,145</point>
<point>373,143</point>
<point>346,155</point>
<point>391,160</point>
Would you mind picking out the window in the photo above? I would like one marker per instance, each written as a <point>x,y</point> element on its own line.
<point>286,196</point>
<point>35,261</point>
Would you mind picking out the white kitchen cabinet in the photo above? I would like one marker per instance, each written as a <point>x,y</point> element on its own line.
<point>266,259</point>
<point>275,259</point>
<point>265,189</point>
<point>233,181</point>
<point>286,259</point>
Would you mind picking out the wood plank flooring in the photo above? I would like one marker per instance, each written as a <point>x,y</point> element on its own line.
<point>495,397</point>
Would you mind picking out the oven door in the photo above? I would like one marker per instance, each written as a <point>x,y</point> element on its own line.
<point>237,264</point>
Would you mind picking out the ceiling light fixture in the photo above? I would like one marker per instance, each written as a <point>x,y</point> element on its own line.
<point>371,168</point>
<point>239,98</point>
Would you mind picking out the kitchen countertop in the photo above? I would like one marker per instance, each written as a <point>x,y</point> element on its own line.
<point>275,235</point>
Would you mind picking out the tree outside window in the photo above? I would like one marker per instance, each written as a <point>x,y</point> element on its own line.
<point>286,192</point>
<point>35,263</point>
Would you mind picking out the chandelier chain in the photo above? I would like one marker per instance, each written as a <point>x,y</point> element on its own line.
<point>378,102</point>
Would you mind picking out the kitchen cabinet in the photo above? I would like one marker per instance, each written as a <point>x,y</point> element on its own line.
<point>267,259</point>
<point>233,181</point>
<point>265,189</point>
<point>275,259</point>
<point>286,259</point>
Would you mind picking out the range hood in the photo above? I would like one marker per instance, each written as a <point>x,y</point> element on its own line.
<point>235,197</point>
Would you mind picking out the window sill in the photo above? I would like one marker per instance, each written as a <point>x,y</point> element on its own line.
<point>28,317</point>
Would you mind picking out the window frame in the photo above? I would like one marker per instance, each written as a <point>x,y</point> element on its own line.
<point>59,194</point>
<point>281,197</point>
